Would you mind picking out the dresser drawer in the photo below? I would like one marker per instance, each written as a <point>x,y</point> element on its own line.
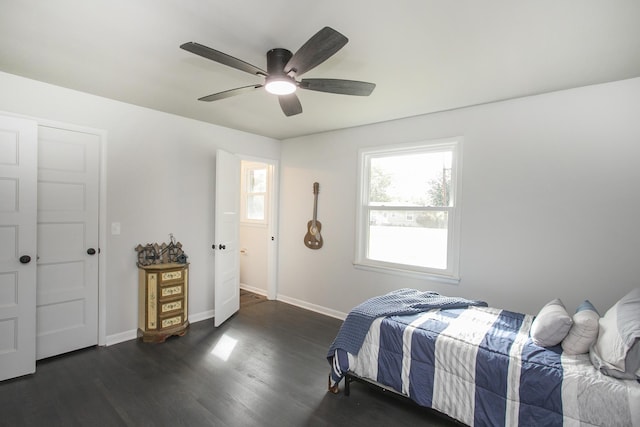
<point>172,321</point>
<point>171,276</point>
<point>171,291</point>
<point>169,306</point>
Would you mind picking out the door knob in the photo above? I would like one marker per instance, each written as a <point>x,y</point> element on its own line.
<point>221,246</point>
<point>25,259</point>
<point>91,251</point>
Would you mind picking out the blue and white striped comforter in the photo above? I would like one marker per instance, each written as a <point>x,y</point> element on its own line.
<point>479,366</point>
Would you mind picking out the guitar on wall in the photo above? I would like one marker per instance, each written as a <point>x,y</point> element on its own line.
<point>313,239</point>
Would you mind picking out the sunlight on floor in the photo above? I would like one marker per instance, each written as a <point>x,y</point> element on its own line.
<point>224,347</point>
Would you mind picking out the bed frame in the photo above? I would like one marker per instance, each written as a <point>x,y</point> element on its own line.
<point>350,377</point>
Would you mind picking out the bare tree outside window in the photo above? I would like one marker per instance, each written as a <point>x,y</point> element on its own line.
<point>380,182</point>
<point>439,189</point>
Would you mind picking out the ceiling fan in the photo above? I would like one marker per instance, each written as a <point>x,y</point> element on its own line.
<point>283,68</point>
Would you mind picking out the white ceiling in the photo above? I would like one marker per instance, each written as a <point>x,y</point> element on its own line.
<point>424,55</point>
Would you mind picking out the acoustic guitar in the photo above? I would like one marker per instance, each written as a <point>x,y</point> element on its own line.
<point>313,238</point>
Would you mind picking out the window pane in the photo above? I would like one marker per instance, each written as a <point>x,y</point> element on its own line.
<point>257,181</point>
<point>409,237</point>
<point>417,179</point>
<point>255,207</point>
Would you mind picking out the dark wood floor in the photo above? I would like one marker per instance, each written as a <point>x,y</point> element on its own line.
<point>276,375</point>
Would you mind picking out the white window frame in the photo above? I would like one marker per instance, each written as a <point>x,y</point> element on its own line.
<point>246,169</point>
<point>363,208</point>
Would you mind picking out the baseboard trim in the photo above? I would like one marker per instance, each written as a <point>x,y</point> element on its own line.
<point>312,307</point>
<point>121,337</point>
<point>252,289</point>
<point>199,317</point>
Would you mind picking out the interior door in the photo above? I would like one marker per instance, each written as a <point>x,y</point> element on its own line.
<point>227,225</point>
<point>68,203</point>
<point>18,211</point>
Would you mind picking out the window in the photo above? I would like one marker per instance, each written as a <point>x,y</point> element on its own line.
<point>254,192</point>
<point>408,209</point>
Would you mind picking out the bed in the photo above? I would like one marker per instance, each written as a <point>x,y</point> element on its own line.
<point>476,364</point>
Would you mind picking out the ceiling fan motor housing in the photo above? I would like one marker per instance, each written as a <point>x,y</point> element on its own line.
<point>276,60</point>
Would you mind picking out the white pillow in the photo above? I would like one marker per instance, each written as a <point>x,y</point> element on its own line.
<point>551,325</point>
<point>616,352</point>
<point>584,330</point>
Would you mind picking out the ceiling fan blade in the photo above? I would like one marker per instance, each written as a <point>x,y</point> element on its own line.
<point>222,58</point>
<point>290,104</point>
<point>315,51</point>
<point>343,87</point>
<point>229,93</point>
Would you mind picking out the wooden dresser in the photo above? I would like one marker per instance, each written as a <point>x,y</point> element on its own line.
<point>163,292</point>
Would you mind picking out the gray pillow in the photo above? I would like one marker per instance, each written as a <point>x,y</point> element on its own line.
<point>584,330</point>
<point>551,324</point>
<point>616,352</point>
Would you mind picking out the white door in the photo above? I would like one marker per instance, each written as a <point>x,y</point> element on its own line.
<point>68,203</point>
<point>18,175</point>
<point>227,224</point>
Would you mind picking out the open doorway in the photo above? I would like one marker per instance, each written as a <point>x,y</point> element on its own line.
<point>257,230</point>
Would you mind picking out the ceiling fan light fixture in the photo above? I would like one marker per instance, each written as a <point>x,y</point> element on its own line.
<point>280,85</point>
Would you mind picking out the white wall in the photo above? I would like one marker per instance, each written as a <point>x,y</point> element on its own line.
<point>550,202</point>
<point>253,261</point>
<point>160,180</point>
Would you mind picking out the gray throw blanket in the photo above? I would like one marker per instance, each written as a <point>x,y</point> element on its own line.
<point>395,303</point>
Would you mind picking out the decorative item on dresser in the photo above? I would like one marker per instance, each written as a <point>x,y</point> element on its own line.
<point>163,291</point>
<point>161,253</point>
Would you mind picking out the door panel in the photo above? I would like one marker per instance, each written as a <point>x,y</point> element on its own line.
<point>18,175</point>
<point>227,226</point>
<point>68,188</point>
<point>56,196</point>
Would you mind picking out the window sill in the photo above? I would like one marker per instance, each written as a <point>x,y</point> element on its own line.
<point>450,280</point>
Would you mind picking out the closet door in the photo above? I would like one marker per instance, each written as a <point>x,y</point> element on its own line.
<point>18,175</point>
<point>68,199</point>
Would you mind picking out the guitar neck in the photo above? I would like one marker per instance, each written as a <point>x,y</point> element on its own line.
<point>316,190</point>
<point>315,210</point>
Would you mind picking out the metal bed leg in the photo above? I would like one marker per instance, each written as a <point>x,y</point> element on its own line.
<point>347,385</point>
